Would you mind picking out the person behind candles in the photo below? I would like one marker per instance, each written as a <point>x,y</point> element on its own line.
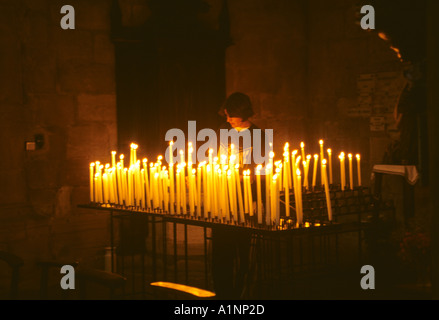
<point>231,248</point>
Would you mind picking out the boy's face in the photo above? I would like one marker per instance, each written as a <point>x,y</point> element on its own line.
<point>235,122</point>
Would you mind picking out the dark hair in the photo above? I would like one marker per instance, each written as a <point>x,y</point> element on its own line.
<point>237,105</point>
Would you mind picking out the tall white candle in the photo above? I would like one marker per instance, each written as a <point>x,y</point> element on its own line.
<point>178,191</point>
<point>351,176</point>
<point>250,194</point>
<point>259,193</point>
<point>275,201</point>
<point>314,175</point>
<point>239,192</point>
<point>199,201</point>
<point>359,169</point>
<point>267,195</point>
<point>92,174</point>
<point>286,192</point>
<point>302,147</point>
<point>327,194</point>
<point>322,156</point>
<point>299,205</point>
<point>342,171</point>
<point>113,159</point>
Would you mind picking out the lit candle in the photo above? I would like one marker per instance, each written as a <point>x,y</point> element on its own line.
<point>328,197</point>
<point>151,186</point>
<point>245,192</point>
<point>119,183</point>
<point>267,195</point>
<point>221,193</point>
<point>190,192</point>
<point>305,178</point>
<point>359,170</point>
<point>183,189</point>
<point>96,190</point>
<point>287,163</point>
<point>302,147</point>
<point>259,193</point>
<point>351,177</point>
<point>171,153</point>
<point>226,197</point>
<point>106,189</point>
<point>250,195</point>
<point>113,159</point>
<point>181,157</point>
<point>275,202</point>
<point>342,170</point>
<point>208,179</point>
<point>215,191</point>
<point>171,188</point>
<point>314,175</point>
<point>199,175</point>
<point>134,148</point>
<point>92,174</point>
<point>308,161</point>
<point>287,191</point>
<point>299,198</point>
<point>130,186</point>
<point>178,187</point>
<point>330,165</point>
<point>239,191</point>
<point>232,195</point>
<point>322,156</point>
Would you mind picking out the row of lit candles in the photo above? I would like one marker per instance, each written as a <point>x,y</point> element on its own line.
<point>223,189</point>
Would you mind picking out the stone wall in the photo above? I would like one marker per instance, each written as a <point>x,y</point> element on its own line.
<point>59,84</point>
<point>300,62</point>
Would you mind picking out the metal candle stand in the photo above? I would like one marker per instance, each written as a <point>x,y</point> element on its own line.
<point>279,253</point>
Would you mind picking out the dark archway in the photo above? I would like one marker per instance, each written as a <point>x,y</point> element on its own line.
<point>169,70</point>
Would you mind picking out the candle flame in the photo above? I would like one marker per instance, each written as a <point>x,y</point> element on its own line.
<point>121,157</point>
<point>321,142</point>
<point>271,154</point>
<point>350,155</point>
<point>259,167</point>
<point>298,160</point>
<point>92,164</point>
<point>316,156</point>
<point>308,157</point>
<point>210,150</point>
<point>113,152</point>
<point>329,151</point>
<point>302,145</point>
<point>237,166</point>
<point>134,146</point>
<point>358,157</point>
<point>324,161</point>
<point>294,152</point>
<point>298,172</point>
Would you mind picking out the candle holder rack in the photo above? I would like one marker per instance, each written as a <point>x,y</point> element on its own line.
<point>279,251</point>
